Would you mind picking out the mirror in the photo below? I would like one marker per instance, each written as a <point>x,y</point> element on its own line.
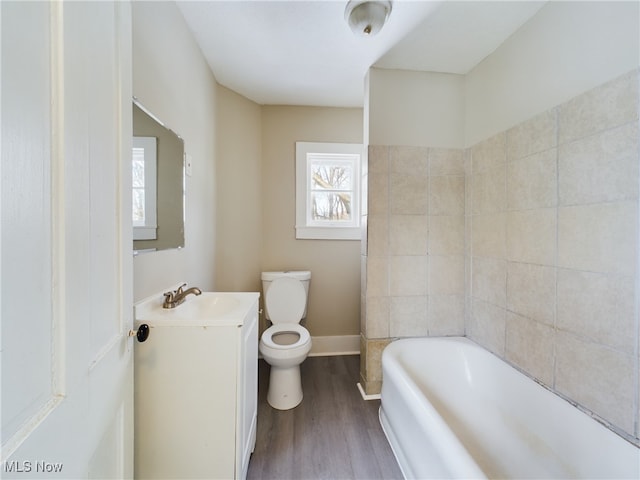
<point>157,184</point>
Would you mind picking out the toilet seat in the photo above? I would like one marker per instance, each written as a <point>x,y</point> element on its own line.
<point>269,333</point>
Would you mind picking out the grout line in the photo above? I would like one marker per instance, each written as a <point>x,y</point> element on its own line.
<point>557,207</point>
<point>637,284</point>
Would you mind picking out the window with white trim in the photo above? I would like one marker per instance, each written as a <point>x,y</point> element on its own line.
<point>328,190</point>
<point>144,186</point>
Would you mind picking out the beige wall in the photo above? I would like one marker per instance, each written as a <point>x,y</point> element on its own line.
<point>415,108</point>
<point>564,50</point>
<point>238,190</point>
<point>240,199</point>
<point>334,298</point>
<point>173,81</point>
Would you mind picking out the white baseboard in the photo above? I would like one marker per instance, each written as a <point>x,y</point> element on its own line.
<point>335,345</point>
<point>374,396</point>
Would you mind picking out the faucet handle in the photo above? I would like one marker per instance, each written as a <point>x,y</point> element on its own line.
<point>179,291</point>
<point>168,297</point>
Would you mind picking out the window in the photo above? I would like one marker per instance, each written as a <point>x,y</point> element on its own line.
<point>328,190</point>
<point>144,160</point>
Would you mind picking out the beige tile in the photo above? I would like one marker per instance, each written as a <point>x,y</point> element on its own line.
<point>378,159</point>
<point>408,316</point>
<point>377,193</point>
<point>532,182</point>
<point>488,190</point>
<point>532,136</point>
<point>599,237</point>
<point>446,195</point>
<point>446,275</point>
<point>531,236</point>
<point>373,387</point>
<point>409,160</point>
<point>377,315</point>
<point>600,168</point>
<point>377,235</point>
<point>597,378</point>
<point>409,194</point>
<point>610,105</point>
<point>530,346</point>
<point>489,280</point>
<point>374,349</point>
<point>446,161</point>
<point>489,153</point>
<point>363,312</point>
<point>487,326</point>
<point>377,276</point>
<point>446,235</point>
<point>409,235</point>
<point>363,358</point>
<point>408,275</point>
<point>600,307</point>
<point>446,315</point>
<point>531,291</point>
<point>489,237</point>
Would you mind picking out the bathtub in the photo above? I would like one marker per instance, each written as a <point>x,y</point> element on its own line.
<point>451,409</point>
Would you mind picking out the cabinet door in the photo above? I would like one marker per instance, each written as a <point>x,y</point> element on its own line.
<point>248,392</point>
<point>186,402</point>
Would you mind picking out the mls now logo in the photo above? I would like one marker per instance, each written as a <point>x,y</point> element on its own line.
<point>27,466</point>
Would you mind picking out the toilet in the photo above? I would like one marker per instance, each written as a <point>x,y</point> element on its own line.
<point>286,343</point>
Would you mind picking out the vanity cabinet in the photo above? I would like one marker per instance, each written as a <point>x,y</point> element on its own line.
<point>196,385</point>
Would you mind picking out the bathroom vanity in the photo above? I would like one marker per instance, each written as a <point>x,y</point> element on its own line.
<point>196,384</point>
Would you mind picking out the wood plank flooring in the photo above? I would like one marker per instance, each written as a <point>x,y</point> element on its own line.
<point>333,434</point>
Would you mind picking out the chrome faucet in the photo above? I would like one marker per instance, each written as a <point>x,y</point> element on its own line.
<point>175,298</point>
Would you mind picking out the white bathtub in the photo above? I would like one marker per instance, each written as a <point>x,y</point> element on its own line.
<point>451,409</point>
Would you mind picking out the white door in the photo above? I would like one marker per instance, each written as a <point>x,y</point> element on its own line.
<point>67,372</point>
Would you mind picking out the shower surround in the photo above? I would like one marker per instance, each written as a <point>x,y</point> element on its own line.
<point>526,242</point>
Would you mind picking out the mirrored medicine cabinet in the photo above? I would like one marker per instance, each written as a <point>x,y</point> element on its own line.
<point>157,184</point>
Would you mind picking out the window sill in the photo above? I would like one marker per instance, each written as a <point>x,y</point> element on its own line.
<point>144,233</point>
<point>328,233</point>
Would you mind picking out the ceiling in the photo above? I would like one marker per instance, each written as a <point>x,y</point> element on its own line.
<point>300,52</point>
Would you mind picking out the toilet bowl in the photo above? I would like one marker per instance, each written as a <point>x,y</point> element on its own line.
<point>285,344</point>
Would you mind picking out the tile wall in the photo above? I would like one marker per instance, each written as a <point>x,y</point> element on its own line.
<point>413,259</point>
<point>527,242</point>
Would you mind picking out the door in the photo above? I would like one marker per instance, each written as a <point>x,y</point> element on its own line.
<point>67,372</point>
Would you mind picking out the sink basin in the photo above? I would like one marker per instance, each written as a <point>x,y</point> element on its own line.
<point>206,305</point>
<point>209,308</point>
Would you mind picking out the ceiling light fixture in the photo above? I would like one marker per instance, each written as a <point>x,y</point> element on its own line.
<point>366,17</point>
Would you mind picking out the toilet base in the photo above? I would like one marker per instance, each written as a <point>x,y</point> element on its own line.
<point>285,387</point>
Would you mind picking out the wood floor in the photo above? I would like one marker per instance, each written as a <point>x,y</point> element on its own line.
<point>333,434</point>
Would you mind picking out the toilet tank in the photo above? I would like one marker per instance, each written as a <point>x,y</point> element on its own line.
<point>303,275</point>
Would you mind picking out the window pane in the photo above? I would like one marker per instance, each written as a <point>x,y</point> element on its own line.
<point>138,167</point>
<point>331,176</point>
<point>138,206</point>
<point>332,207</point>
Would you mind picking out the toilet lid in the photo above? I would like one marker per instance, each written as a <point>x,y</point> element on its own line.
<point>285,300</point>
